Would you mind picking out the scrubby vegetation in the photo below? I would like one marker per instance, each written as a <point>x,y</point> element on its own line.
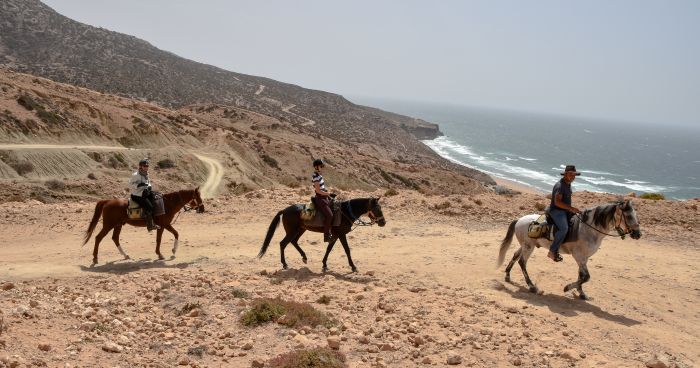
<point>287,313</point>
<point>652,196</point>
<point>166,163</point>
<point>311,358</point>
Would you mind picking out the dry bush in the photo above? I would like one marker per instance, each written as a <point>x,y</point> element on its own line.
<point>55,184</point>
<point>539,206</point>
<point>324,299</point>
<point>22,167</point>
<point>240,293</point>
<point>391,192</point>
<point>166,163</point>
<point>295,314</point>
<point>188,307</point>
<point>652,196</point>
<point>312,358</point>
<point>443,205</point>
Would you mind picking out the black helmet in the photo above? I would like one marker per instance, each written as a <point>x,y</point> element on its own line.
<point>143,162</point>
<point>318,162</point>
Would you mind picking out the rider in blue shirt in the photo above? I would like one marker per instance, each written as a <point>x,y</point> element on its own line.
<point>561,210</point>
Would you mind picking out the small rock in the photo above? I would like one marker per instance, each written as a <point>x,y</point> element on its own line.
<point>454,359</point>
<point>517,362</point>
<point>418,341</point>
<point>426,360</point>
<point>363,339</point>
<point>194,312</point>
<point>184,360</point>
<point>257,363</point>
<point>88,326</point>
<point>569,354</point>
<point>248,345</point>
<point>333,342</point>
<point>33,303</point>
<point>8,286</point>
<point>477,345</point>
<point>658,362</point>
<point>111,347</point>
<point>387,347</point>
<point>44,347</point>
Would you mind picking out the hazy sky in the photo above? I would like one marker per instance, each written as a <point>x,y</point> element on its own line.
<point>627,60</point>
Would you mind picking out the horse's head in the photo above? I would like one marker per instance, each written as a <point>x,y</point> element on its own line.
<point>626,216</point>
<point>196,201</point>
<point>375,212</point>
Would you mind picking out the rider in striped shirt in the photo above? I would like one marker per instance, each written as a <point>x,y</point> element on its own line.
<point>322,198</point>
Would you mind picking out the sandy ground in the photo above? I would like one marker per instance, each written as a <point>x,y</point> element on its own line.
<point>427,290</point>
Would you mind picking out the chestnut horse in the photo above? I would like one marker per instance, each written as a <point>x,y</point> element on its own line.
<point>113,213</point>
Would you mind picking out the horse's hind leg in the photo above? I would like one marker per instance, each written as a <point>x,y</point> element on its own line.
<point>115,239</point>
<point>328,251</point>
<point>516,256</point>
<point>583,276</point>
<point>525,252</point>
<point>176,243</point>
<point>283,244</point>
<point>159,236</point>
<point>98,238</point>
<point>295,243</point>
<point>344,242</point>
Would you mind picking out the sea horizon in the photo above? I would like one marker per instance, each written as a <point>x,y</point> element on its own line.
<point>531,149</point>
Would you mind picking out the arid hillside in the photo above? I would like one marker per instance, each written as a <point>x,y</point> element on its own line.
<point>255,150</point>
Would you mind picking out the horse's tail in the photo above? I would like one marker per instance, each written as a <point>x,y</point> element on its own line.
<point>270,233</point>
<point>505,244</point>
<point>95,219</point>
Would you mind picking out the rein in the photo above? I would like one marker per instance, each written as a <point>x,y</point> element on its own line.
<point>356,221</point>
<point>621,233</point>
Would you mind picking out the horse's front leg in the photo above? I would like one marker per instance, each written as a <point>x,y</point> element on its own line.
<point>98,238</point>
<point>176,243</point>
<point>516,256</point>
<point>115,239</point>
<point>295,243</point>
<point>344,242</point>
<point>159,236</point>
<point>328,251</point>
<point>283,244</point>
<point>583,276</point>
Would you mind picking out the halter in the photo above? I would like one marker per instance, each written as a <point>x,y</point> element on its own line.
<point>357,220</point>
<point>621,233</point>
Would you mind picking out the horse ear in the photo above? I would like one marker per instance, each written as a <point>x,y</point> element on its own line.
<point>378,198</point>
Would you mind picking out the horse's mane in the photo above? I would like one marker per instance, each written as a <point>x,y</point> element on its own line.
<point>602,215</point>
<point>176,193</point>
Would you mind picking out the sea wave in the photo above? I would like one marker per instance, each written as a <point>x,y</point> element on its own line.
<point>630,184</point>
<point>527,158</point>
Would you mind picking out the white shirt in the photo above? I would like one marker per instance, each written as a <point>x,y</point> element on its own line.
<point>136,179</point>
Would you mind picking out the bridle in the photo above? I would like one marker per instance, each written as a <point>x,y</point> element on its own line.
<point>358,221</point>
<point>617,222</point>
<point>187,207</point>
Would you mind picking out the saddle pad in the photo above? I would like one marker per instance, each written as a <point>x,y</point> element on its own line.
<point>134,211</point>
<point>317,221</point>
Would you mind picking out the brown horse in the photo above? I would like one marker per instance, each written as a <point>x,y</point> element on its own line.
<point>113,213</point>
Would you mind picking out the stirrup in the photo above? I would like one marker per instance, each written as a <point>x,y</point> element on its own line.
<point>557,257</point>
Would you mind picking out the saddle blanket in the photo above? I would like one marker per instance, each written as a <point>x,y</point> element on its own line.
<point>134,211</point>
<point>317,220</point>
<point>540,228</point>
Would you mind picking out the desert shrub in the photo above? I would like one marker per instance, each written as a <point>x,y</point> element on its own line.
<point>27,102</point>
<point>188,307</point>
<point>443,205</point>
<point>166,163</point>
<point>478,202</point>
<point>92,176</point>
<point>500,189</point>
<point>22,167</point>
<point>270,161</point>
<point>295,314</point>
<point>539,206</point>
<point>240,293</point>
<point>116,161</point>
<point>55,184</point>
<point>95,156</point>
<point>391,192</point>
<point>197,351</point>
<point>652,196</point>
<point>324,299</point>
<point>309,358</point>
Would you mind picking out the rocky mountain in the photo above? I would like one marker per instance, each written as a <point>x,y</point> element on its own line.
<point>35,39</point>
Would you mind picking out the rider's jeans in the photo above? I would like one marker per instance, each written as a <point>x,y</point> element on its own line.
<point>562,221</point>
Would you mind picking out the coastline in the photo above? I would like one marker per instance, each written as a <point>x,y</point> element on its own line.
<point>517,186</point>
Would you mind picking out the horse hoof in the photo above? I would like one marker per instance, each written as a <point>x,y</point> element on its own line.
<point>126,258</point>
<point>304,260</point>
<point>324,269</point>
<point>583,297</point>
<point>93,264</point>
<point>533,289</point>
<point>567,288</point>
<point>508,278</point>
<point>161,258</point>
<point>354,269</point>
<point>285,267</point>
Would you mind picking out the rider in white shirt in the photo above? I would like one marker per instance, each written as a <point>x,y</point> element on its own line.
<point>142,194</point>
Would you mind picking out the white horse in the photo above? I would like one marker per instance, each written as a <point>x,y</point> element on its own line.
<point>595,225</point>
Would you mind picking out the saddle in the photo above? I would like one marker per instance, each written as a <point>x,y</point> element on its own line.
<point>544,227</point>
<point>134,211</point>
<point>314,218</point>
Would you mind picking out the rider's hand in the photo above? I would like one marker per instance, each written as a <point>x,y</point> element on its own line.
<point>575,210</point>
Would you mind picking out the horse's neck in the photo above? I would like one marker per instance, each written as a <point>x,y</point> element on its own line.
<point>357,207</point>
<point>178,200</point>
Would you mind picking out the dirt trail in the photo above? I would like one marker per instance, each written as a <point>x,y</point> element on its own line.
<point>58,146</point>
<point>216,173</point>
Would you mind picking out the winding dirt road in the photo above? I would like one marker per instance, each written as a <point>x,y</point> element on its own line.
<point>216,173</point>
<point>208,189</point>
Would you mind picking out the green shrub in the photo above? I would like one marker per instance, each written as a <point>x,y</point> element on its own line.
<point>240,293</point>
<point>391,192</point>
<point>311,358</point>
<point>166,163</point>
<point>295,314</point>
<point>653,196</point>
<point>55,184</point>
<point>22,167</point>
<point>269,160</point>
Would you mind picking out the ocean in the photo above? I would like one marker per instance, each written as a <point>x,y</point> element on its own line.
<point>532,149</point>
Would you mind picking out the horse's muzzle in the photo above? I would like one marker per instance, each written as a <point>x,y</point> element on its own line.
<point>636,234</point>
<point>381,222</point>
<point>200,209</point>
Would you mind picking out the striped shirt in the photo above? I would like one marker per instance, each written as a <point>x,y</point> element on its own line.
<point>318,178</point>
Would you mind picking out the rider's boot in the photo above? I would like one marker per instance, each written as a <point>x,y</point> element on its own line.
<point>150,224</point>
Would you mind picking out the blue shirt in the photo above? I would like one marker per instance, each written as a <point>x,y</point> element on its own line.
<point>563,188</point>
